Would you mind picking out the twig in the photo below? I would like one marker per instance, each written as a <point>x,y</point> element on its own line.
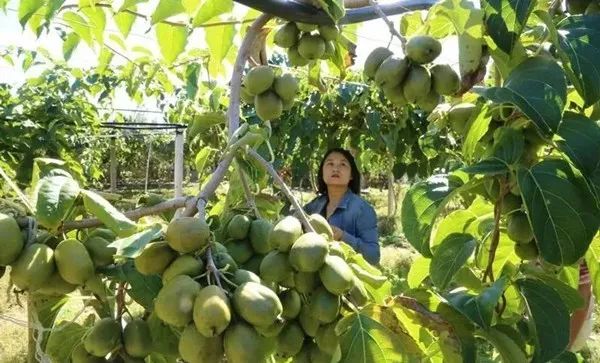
<point>286,190</point>
<point>120,300</point>
<point>210,265</point>
<point>18,191</point>
<point>431,317</point>
<point>389,23</point>
<point>489,271</point>
<point>249,196</point>
<point>233,114</point>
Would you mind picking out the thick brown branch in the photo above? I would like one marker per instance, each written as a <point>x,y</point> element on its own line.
<point>286,190</point>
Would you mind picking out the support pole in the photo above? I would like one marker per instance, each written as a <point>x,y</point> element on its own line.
<point>113,164</point>
<point>178,174</point>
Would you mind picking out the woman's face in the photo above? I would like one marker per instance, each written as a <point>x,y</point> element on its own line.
<point>336,170</point>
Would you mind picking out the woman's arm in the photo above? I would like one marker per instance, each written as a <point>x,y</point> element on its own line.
<point>366,241</point>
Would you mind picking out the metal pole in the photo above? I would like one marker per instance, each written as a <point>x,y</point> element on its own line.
<point>113,165</point>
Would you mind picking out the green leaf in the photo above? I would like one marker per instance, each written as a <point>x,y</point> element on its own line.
<point>97,20</point>
<point>219,40</point>
<point>449,257</point>
<point>420,208</point>
<point>559,209</point>
<point>549,319</point>
<point>579,39</point>
<point>164,340</point>
<point>476,128</point>
<point>457,221</point>
<point>63,339</point>
<point>192,73</point>
<point>56,196</point>
<point>210,9</point>
<point>375,335</point>
<point>334,8</point>
<point>592,259</point>
<point>491,166</point>
<point>124,22</point>
<point>79,26</point>
<point>566,357</point>
<point>505,20</point>
<point>128,4</point>
<point>69,45</point>
<point>133,245</point>
<point>411,23</point>
<point>571,297</point>
<point>27,8</point>
<point>419,270</point>
<point>108,214</point>
<point>538,88</point>
<point>203,122</point>
<point>467,21</point>
<point>509,350</point>
<point>577,136</point>
<point>201,159</point>
<point>143,289</point>
<point>508,145</point>
<point>166,9</point>
<point>171,40</point>
<point>479,308</point>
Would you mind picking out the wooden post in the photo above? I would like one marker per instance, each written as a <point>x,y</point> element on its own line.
<point>113,165</point>
<point>391,194</point>
<point>178,174</point>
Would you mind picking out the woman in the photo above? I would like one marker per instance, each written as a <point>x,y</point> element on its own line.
<point>352,219</point>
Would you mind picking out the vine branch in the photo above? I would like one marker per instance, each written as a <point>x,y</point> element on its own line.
<point>389,23</point>
<point>286,190</point>
<point>233,114</point>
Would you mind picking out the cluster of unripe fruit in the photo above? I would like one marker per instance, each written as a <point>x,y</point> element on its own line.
<point>281,288</point>
<point>306,42</point>
<point>269,92</point>
<point>412,79</point>
<point>518,228</point>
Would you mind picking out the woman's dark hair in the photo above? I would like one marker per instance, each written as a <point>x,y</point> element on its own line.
<point>354,184</point>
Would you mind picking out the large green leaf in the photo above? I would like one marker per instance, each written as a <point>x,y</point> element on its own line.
<point>419,270</point>
<point>571,297</point>
<point>579,39</point>
<point>505,20</point>
<point>549,319</point>
<point>211,8</point>
<point>577,136</point>
<point>133,245</point>
<point>479,308</point>
<point>166,9</point>
<point>508,348</point>
<point>420,208</point>
<point>69,45</point>
<point>63,339</point>
<point>97,21</point>
<point>124,21</point>
<point>201,123</point>
<point>449,257</point>
<point>219,40</point>
<point>490,166</point>
<point>27,8</point>
<point>143,289</point>
<point>592,259</point>
<point>171,40</point>
<point>108,214</point>
<point>79,26</point>
<point>56,196</point>
<point>508,145</point>
<point>476,128</point>
<point>375,335</point>
<point>538,88</point>
<point>164,339</point>
<point>559,209</point>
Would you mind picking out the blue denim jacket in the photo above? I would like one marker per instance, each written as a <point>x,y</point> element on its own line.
<point>357,219</point>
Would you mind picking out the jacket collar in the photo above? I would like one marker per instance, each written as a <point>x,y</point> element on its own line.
<point>323,199</point>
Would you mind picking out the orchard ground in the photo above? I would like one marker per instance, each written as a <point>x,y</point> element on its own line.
<point>396,258</point>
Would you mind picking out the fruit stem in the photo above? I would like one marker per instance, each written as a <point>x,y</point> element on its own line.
<point>249,196</point>
<point>286,190</point>
<point>120,300</point>
<point>489,271</point>
<point>210,265</point>
<point>390,25</point>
